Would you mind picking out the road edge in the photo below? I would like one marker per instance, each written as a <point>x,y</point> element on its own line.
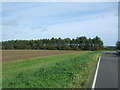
<point>96,73</point>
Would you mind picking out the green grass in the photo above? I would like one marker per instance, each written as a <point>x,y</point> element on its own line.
<point>57,71</point>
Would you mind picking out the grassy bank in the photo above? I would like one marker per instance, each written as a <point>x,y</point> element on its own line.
<point>68,70</point>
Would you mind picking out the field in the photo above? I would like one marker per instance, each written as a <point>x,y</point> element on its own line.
<point>11,55</point>
<point>56,69</point>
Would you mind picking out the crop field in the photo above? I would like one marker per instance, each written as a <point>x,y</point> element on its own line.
<point>56,69</point>
<point>10,55</point>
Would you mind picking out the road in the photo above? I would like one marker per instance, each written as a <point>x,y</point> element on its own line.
<point>107,76</point>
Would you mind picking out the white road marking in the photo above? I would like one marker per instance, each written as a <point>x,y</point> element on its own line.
<point>95,77</point>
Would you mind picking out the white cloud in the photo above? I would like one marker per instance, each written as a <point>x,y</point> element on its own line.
<point>105,27</point>
<point>63,20</point>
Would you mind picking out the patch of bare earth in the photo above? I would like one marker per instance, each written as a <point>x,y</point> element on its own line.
<point>11,55</point>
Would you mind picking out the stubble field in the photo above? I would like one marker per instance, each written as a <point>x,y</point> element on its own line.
<point>11,55</point>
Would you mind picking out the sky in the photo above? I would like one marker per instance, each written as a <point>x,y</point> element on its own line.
<point>38,20</point>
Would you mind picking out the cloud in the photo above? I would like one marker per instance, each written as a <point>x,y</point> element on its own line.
<point>42,29</point>
<point>12,22</point>
<point>12,36</point>
<point>45,12</point>
<point>64,20</point>
<point>105,27</point>
<point>36,28</point>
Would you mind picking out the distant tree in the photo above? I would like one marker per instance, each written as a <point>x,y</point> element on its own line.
<point>118,45</point>
<point>97,43</point>
<point>80,43</point>
<point>87,45</point>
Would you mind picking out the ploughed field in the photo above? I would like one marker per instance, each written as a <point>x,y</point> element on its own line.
<point>11,55</point>
<point>48,68</point>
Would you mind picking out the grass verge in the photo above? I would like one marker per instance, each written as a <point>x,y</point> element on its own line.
<point>71,70</point>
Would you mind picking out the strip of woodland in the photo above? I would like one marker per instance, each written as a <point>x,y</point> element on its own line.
<point>79,43</point>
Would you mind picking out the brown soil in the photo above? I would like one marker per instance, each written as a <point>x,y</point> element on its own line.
<point>10,55</point>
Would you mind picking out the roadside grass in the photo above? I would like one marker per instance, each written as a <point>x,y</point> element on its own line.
<point>57,71</point>
<point>109,50</point>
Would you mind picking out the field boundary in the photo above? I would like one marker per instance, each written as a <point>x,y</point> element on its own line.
<point>96,73</point>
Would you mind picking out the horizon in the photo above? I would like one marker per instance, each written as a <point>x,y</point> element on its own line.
<point>26,21</point>
<point>56,38</point>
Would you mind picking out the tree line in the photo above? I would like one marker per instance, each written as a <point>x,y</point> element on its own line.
<point>118,45</point>
<point>79,43</point>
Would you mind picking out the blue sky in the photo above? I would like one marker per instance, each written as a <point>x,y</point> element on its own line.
<point>39,20</point>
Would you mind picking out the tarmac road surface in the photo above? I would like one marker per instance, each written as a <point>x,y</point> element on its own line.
<point>107,76</point>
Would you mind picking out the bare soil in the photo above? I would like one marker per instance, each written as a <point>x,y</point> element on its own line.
<point>11,55</point>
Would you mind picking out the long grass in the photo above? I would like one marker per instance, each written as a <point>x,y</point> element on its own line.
<point>57,71</point>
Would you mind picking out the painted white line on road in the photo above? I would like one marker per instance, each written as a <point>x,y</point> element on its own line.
<point>95,77</point>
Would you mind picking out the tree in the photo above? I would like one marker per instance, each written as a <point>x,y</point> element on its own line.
<point>118,45</point>
<point>80,43</point>
<point>97,43</point>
